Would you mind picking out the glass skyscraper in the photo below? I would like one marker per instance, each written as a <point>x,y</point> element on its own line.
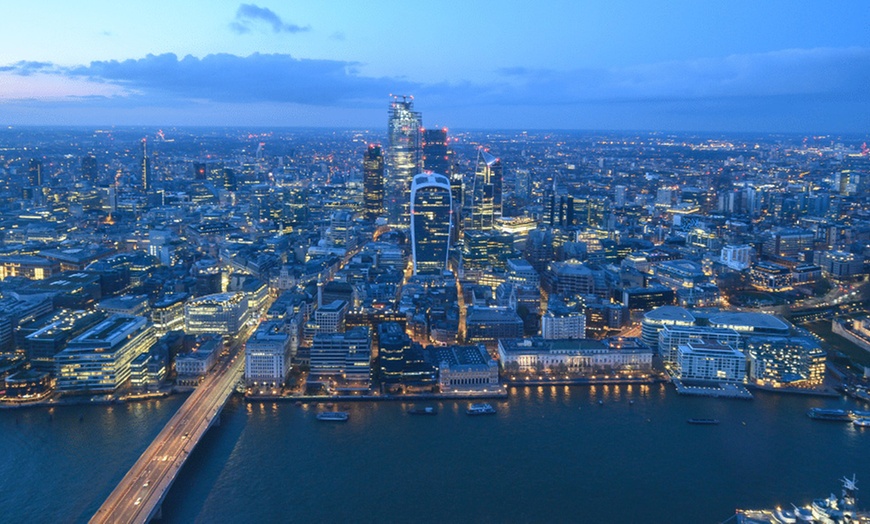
<point>404,157</point>
<point>373,181</point>
<point>147,181</point>
<point>484,198</point>
<point>431,221</point>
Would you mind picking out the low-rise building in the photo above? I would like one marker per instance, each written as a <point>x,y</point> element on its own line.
<point>707,360</point>
<point>193,365</point>
<point>614,355</point>
<point>464,368</point>
<point>341,361</point>
<point>786,361</point>
<point>268,356</point>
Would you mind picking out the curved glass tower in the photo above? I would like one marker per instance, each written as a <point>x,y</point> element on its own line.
<point>431,221</point>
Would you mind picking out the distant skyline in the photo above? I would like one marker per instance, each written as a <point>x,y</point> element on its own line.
<point>781,66</point>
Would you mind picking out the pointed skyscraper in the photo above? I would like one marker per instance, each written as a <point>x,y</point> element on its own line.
<point>484,198</point>
<point>404,158</point>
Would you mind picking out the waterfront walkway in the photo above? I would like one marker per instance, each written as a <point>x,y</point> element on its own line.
<point>139,495</point>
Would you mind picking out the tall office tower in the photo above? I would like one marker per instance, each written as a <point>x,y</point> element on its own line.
<point>199,171</point>
<point>373,181</point>
<point>437,158</point>
<point>403,157</point>
<point>431,221</point>
<point>147,180</point>
<point>483,200</point>
<point>436,155</point>
<point>89,168</point>
<point>619,196</point>
<point>34,173</point>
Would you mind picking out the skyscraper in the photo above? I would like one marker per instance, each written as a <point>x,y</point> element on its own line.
<point>34,173</point>
<point>437,158</point>
<point>147,181</point>
<point>89,168</point>
<point>431,221</point>
<point>404,158</point>
<point>484,199</point>
<point>373,181</point>
<point>436,155</point>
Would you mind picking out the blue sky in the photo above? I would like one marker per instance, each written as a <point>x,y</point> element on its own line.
<point>675,65</point>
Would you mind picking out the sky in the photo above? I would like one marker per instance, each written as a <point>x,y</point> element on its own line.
<point>680,65</point>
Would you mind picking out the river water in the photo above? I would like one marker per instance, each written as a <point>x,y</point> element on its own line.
<point>551,454</point>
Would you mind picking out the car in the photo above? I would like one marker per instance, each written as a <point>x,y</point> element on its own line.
<point>138,501</point>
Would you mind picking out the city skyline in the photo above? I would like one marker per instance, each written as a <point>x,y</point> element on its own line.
<point>778,67</point>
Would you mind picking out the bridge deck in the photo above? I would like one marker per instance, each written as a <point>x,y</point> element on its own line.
<point>138,496</point>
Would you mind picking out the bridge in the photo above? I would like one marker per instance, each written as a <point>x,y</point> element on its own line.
<point>138,497</point>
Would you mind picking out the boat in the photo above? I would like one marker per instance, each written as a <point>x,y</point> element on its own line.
<point>480,409</point>
<point>834,415</point>
<point>827,510</point>
<point>862,422</point>
<point>703,421</point>
<point>428,410</point>
<point>333,416</point>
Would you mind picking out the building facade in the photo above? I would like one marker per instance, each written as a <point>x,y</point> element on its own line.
<point>431,222</point>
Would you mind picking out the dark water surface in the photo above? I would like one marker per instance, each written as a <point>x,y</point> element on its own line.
<point>551,454</point>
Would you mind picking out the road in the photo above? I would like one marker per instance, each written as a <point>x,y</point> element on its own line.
<point>138,496</point>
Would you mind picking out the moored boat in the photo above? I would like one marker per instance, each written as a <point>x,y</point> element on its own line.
<point>708,421</point>
<point>834,415</point>
<point>480,409</point>
<point>862,422</point>
<point>333,416</point>
<point>428,410</point>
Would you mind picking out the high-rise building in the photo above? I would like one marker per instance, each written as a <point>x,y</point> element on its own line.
<point>436,155</point>
<point>89,168</point>
<point>373,181</point>
<point>484,200</point>
<point>34,173</point>
<point>147,180</point>
<point>404,158</point>
<point>431,221</point>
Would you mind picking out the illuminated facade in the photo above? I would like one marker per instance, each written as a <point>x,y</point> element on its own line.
<point>404,157</point>
<point>791,362</point>
<point>708,360</point>
<point>99,359</point>
<point>147,177</point>
<point>431,222</point>
<point>484,199</point>
<point>223,313</point>
<point>267,356</point>
<point>373,181</point>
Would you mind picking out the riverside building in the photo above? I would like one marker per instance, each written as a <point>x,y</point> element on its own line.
<point>99,359</point>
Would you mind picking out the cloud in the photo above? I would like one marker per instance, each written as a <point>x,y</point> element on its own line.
<point>789,72</point>
<point>787,89</point>
<point>249,16</point>
<point>230,78</point>
<point>27,68</point>
<point>338,35</point>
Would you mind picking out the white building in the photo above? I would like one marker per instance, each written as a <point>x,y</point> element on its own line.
<point>672,337</point>
<point>627,356</point>
<point>190,367</point>
<point>736,257</point>
<point>563,324</point>
<point>711,361</point>
<point>267,356</point>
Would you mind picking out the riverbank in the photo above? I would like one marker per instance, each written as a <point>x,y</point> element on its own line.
<point>463,395</point>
